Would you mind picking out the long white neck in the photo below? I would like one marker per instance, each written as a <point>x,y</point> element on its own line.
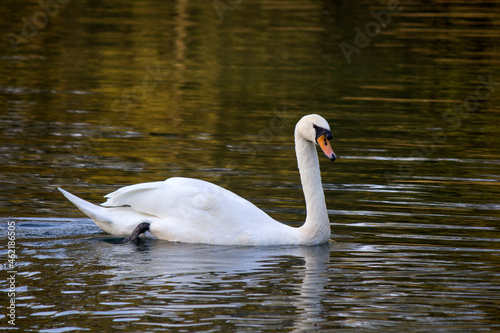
<point>316,228</point>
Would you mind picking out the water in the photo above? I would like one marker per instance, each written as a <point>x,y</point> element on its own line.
<point>107,95</point>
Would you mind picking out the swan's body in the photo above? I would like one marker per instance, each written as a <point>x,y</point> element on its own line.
<point>194,211</point>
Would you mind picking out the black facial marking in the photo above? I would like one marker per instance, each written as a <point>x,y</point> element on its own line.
<point>322,131</point>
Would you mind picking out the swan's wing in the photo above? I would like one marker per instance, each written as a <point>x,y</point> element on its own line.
<point>187,199</point>
<point>195,211</point>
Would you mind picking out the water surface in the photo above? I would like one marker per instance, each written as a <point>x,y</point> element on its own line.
<point>107,95</point>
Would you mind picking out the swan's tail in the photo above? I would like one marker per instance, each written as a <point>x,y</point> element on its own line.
<point>117,221</point>
<point>93,211</point>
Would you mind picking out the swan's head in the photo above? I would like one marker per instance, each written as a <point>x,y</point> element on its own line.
<point>315,128</point>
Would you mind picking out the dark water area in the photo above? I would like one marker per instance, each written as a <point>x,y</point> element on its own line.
<point>95,96</point>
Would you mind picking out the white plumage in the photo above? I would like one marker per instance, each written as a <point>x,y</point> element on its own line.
<point>195,211</point>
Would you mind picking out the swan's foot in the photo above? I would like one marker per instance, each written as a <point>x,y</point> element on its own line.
<point>134,236</point>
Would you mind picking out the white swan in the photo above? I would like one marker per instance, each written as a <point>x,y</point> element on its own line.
<point>195,211</point>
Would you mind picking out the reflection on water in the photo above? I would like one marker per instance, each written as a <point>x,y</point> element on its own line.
<point>106,95</point>
<point>217,277</point>
<point>71,275</point>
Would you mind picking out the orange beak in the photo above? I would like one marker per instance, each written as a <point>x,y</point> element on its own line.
<point>324,143</point>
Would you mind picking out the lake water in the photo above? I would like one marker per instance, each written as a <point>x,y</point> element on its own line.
<point>94,96</point>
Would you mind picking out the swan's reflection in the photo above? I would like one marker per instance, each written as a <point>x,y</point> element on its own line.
<point>315,278</point>
<point>163,263</point>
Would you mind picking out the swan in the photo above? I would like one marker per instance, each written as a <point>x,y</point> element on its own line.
<point>195,211</point>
